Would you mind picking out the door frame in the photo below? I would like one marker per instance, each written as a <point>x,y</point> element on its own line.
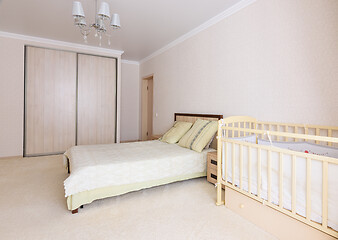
<point>146,115</point>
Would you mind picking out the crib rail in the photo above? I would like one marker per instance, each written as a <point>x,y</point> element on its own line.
<point>244,126</point>
<point>286,135</point>
<point>307,129</point>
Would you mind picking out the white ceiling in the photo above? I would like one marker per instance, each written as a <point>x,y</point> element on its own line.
<point>147,25</point>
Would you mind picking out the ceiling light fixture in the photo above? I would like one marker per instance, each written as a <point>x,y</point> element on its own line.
<point>100,18</point>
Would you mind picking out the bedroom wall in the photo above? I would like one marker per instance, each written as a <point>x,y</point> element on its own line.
<point>273,60</point>
<point>130,101</point>
<point>12,88</point>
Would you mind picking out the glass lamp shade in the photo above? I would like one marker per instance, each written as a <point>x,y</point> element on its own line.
<point>115,21</point>
<point>78,10</point>
<point>81,22</point>
<point>104,11</point>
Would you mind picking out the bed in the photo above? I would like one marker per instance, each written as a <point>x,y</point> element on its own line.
<point>100,171</point>
<point>295,167</point>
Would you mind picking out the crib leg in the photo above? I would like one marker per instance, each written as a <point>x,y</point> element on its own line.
<point>219,195</point>
<point>75,211</point>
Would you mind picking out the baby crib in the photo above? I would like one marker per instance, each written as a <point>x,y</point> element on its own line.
<point>291,168</point>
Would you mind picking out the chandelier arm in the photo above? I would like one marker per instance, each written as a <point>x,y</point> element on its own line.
<point>85,28</point>
<point>99,25</point>
<point>85,32</point>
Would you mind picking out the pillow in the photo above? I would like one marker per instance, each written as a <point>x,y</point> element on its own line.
<point>176,132</point>
<point>199,135</point>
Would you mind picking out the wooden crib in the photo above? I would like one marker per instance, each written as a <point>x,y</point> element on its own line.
<point>264,211</point>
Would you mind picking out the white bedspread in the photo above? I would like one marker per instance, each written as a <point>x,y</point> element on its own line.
<point>316,178</point>
<point>97,166</point>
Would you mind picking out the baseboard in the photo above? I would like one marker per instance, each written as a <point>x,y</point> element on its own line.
<point>127,141</point>
<point>11,157</point>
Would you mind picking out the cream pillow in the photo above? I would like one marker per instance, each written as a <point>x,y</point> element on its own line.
<point>176,132</point>
<point>199,135</point>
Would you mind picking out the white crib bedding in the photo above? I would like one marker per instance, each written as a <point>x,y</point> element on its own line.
<point>316,178</point>
<point>97,166</point>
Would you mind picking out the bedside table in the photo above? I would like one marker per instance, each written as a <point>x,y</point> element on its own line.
<point>212,167</point>
<point>155,137</point>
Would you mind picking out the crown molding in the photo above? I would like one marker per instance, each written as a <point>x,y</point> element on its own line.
<point>230,11</point>
<point>130,62</point>
<point>60,43</point>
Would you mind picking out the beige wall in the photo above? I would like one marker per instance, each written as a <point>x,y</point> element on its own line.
<point>273,60</point>
<point>130,102</point>
<point>12,89</point>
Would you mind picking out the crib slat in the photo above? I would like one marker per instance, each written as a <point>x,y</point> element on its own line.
<point>241,166</point>
<point>293,199</point>
<point>226,161</point>
<point>296,131</point>
<point>306,131</point>
<point>281,180</point>
<point>259,172</point>
<point>329,134</point>
<point>241,125</point>
<point>286,130</point>
<point>269,176</point>
<point>278,138</point>
<point>249,169</point>
<point>308,188</point>
<point>325,194</point>
<point>317,134</point>
<point>244,126</point>
<point>263,128</point>
<point>233,164</point>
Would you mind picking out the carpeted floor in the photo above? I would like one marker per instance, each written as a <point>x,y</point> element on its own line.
<point>32,206</point>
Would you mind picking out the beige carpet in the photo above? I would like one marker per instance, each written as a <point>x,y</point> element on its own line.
<point>32,206</point>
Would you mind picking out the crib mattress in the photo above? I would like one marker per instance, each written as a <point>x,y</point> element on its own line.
<point>316,180</point>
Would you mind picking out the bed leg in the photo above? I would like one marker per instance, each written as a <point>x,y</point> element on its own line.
<point>75,211</point>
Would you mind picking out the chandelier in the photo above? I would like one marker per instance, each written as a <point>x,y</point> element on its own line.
<point>102,16</point>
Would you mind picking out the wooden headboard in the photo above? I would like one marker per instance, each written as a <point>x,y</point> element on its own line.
<point>192,117</point>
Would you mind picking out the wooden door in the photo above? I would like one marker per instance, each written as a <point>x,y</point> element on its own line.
<point>147,108</point>
<point>50,101</point>
<point>96,100</point>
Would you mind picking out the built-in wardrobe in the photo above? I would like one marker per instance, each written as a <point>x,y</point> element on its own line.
<point>70,99</point>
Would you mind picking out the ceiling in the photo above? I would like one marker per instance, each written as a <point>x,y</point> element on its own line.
<point>147,25</point>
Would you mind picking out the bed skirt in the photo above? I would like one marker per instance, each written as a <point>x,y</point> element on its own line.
<point>76,200</point>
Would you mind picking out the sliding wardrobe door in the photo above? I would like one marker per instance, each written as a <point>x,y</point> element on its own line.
<point>50,101</point>
<point>96,100</point>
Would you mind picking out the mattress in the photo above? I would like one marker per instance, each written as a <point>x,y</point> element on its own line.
<point>316,177</point>
<point>98,166</point>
